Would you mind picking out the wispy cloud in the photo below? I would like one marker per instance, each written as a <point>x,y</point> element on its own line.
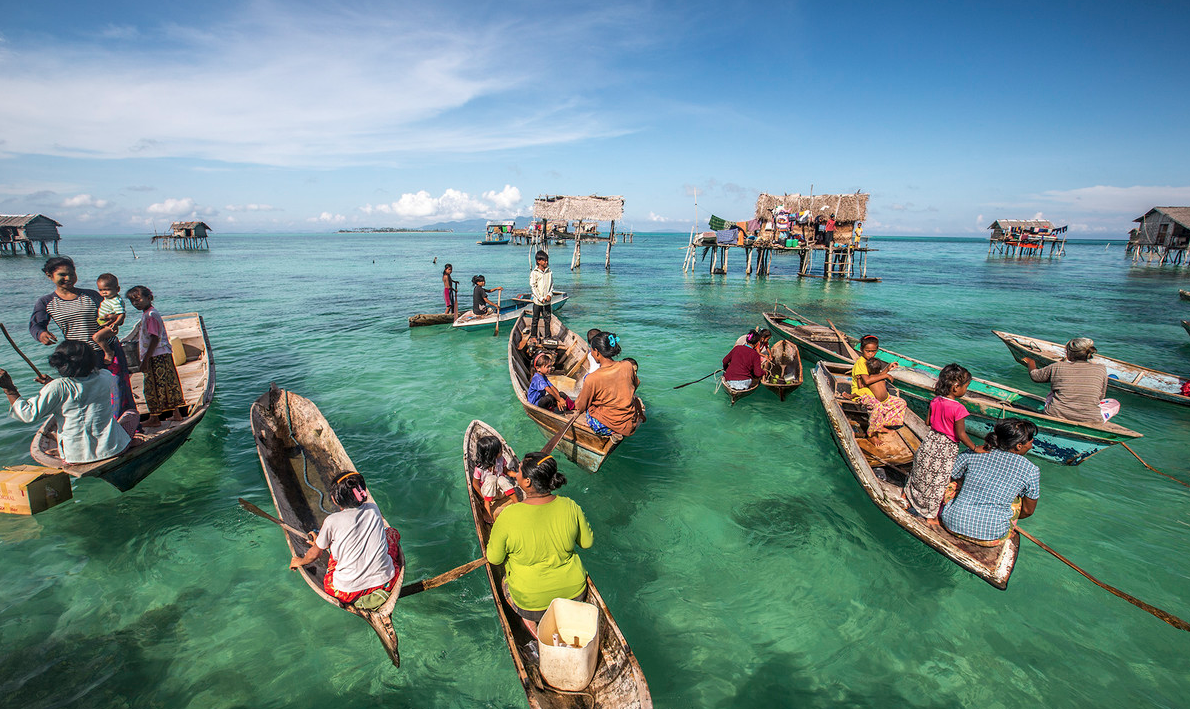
<point>186,206</point>
<point>84,200</point>
<point>251,208</point>
<point>452,205</point>
<point>1107,199</point>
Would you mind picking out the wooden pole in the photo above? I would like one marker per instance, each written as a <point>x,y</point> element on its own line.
<point>574,260</point>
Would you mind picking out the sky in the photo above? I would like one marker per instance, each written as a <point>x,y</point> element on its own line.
<point>280,116</point>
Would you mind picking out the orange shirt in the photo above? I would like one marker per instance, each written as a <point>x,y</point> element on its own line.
<point>607,395</point>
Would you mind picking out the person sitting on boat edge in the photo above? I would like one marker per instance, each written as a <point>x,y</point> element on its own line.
<point>479,296</point>
<point>536,540</point>
<point>608,396</point>
<point>541,285</point>
<point>989,485</point>
<point>869,345</point>
<point>490,477</point>
<point>743,365</point>
<point>885,411</point>
<point>1077,385</point>
<point>81,404</point>
<point>362,570</point>
<point>763,348</point>
<point>541,392</point>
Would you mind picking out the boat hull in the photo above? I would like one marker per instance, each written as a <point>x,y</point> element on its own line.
<point>487,322</point>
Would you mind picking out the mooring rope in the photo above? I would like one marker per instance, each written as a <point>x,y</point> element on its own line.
<point>1142,462</point>
<point>305,459</point>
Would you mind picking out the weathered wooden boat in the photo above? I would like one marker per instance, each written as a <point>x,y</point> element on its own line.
<point>431,319</point>
<point>1058,440</point>
<point>618,683</point>
<point>1186,326</point>
<point>125,470</point>
<point>1184,294</point>
<point>301,456</point>
<point>737,394</point>
<point>785,369</point>
<point>526,300</point>
<point>1125,376</point>
<point>467,319</point>
<point>992,564</point>
<point>580,444</point>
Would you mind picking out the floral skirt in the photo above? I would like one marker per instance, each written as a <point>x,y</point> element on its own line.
<point>883,414</point>
<point>163,390</point>
<point>394,552</point>
<point>932,465</point>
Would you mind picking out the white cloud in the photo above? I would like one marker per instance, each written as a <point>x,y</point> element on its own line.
<point>172,207</point>
<point>84,200</point>
<point>506,198</point>
<point>328,218</point>
<point>654,217</point>
<point>452,205</point>
<point>251,208</point>
<point>1127,200</point>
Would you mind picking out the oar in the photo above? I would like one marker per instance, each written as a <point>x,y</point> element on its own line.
<point>847,344</point>
<point>549,446</point>
<point>440,579</point>
<point>1157,612</point>
<point>698,380</point>
<point>497,332</point>
<point>18,349</point>
<point>261,513</point>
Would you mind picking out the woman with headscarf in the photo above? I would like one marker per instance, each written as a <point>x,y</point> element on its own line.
<point>1077,385</point>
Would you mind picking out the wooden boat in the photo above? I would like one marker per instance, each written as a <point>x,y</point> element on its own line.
<point>992,564</point>
<point>1058,440</point>
<point>785,373</point>
<point>467,319</point>
<point>618,683</point>
<point>497,233</point>
<point>431,319</point>
<point>1184,294</point>
<point>1186,326</point>
<point>580,444</point>
<point>526,299</point>
<point>1124,376</point>
<point>125,470</point>
<point>737,394</point>
<point>301,456</point>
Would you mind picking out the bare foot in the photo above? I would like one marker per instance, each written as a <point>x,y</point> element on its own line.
<point>933,522</point>
<point>531,626</point>
<point>152,422</point>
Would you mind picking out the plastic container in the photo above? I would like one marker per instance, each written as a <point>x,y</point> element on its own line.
<point>179,352</point>
<point>569,668</point>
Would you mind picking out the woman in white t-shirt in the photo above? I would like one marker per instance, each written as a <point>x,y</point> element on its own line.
<point>364,551</point>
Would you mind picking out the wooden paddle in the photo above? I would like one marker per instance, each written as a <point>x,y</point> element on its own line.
<point>261,513</point>
<point>1157,612</point>
<point>698,380</point>
<point>497,332</point>
<point>846,343</point>
<point>440,579</point>
<point>18,349</point>
<point>549,446</point>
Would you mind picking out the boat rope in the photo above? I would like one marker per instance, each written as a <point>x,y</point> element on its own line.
<point>1142,462</point>
<point>1157,612</point>
<point>305,459</point>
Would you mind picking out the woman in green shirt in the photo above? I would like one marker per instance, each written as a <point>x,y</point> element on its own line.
<point>536,541</point>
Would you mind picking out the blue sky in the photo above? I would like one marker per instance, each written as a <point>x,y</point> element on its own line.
<point>121,117</point>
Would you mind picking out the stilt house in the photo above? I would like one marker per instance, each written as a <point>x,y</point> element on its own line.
<point>19,232</point>
<point>1026,237</point>
<point>184,235</point>
<point>586,212</point>
<point>779,213</point>
<point>1162,234</point>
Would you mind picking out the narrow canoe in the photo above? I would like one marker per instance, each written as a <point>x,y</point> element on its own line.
<point>431,319</point>
<point>526,299</point>
<point>1058,440</point>
<point>737,394</point>
<point>1186,326</point>
<point>1185,294</point>
<point>618,683</point>
<point>493,242</point>
<point>785,369</point>
<point>301,455</point>
<point>1124,376</point>
<point>468,321</point>
<point>124,471</point>
<point>992,564</point>
<point>580,444</point>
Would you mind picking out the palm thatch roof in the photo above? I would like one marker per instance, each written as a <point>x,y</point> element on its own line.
<point>1006,224</point>
<point>845,207</point>
<point>566,208</point>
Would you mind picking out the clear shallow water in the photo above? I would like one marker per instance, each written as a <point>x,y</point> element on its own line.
<point>742,561</point>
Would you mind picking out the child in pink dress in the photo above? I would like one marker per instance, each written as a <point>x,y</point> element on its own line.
<point>935,457</point>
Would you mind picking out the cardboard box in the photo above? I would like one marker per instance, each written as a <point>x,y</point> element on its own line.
<point>29,489</point>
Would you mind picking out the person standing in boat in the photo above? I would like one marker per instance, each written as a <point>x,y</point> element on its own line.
<point>162,388</point>
<point>365,553</point>
<point>76,313</point>
<point>479,296</point>
<point>991,483</point>
<point>450,290</point>
<point>536,540</point>
<point>608,396</point>
<point>1077,385</point>
<point>541,283</point>
<point>743,365</point>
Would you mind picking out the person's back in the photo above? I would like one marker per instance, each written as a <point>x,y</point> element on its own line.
<point>742,362</point>
<point>357,542</point>
<point>607,395</point>
<point>536,544</point>
<point>991,482</point>
<point>1077,389</point>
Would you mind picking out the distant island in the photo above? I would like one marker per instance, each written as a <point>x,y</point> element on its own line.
<point>388,229</point>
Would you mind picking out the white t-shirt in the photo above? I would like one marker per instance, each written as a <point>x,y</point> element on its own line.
<point>592,365</point>
<point>359,546</point>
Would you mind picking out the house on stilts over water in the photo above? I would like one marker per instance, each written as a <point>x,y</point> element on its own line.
<point>1162,235</point>
<point>19,233</point>
<point>584,214</point>
<point>1026,237</point>
<point>184,235</point>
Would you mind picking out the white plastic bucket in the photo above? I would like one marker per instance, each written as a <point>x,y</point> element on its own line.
<point>569,668</point>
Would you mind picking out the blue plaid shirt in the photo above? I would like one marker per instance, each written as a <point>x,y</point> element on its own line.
<point>983,507</point>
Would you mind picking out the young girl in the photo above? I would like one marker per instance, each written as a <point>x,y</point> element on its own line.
<point>541,392</point>
<point>364,553</point>
<point>448,289</point>
<point>163,391</point>
<point>490,477</point>
<point>111,315</point>
<point>884,410</point>
<point>861,378</point>
<point>985,507</point>
<point>934,459</point>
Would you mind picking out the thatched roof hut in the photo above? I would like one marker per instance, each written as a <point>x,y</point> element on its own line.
<point>845,207</point>
<point>559,208</point>
<point>197,230</point>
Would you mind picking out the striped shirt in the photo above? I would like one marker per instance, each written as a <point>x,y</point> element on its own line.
<point>983,507</point>
<point>1076,389</point>
<point>76,318</point>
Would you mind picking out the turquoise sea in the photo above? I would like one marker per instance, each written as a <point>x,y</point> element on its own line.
<point>743,562</point>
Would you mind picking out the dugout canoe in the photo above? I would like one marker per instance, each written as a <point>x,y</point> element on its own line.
<point>1124,376</point>
<point>580,444</point>
<point>737,394</point>
<point>301,456</point>
<point>1186,326</point>
<point>1058,440</point>
<point>468,321</point>
<point>431,319</point>
<point>992,564</point>
<point>784,371</point>
<point>1184,294</point>
<point>127,469</point>
<point>618,683</point>
<point>557,301</point>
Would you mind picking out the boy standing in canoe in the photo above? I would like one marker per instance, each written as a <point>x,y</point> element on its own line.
<point>541,282</point>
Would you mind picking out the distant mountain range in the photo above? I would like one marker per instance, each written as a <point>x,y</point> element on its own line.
<point>470,225</point>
